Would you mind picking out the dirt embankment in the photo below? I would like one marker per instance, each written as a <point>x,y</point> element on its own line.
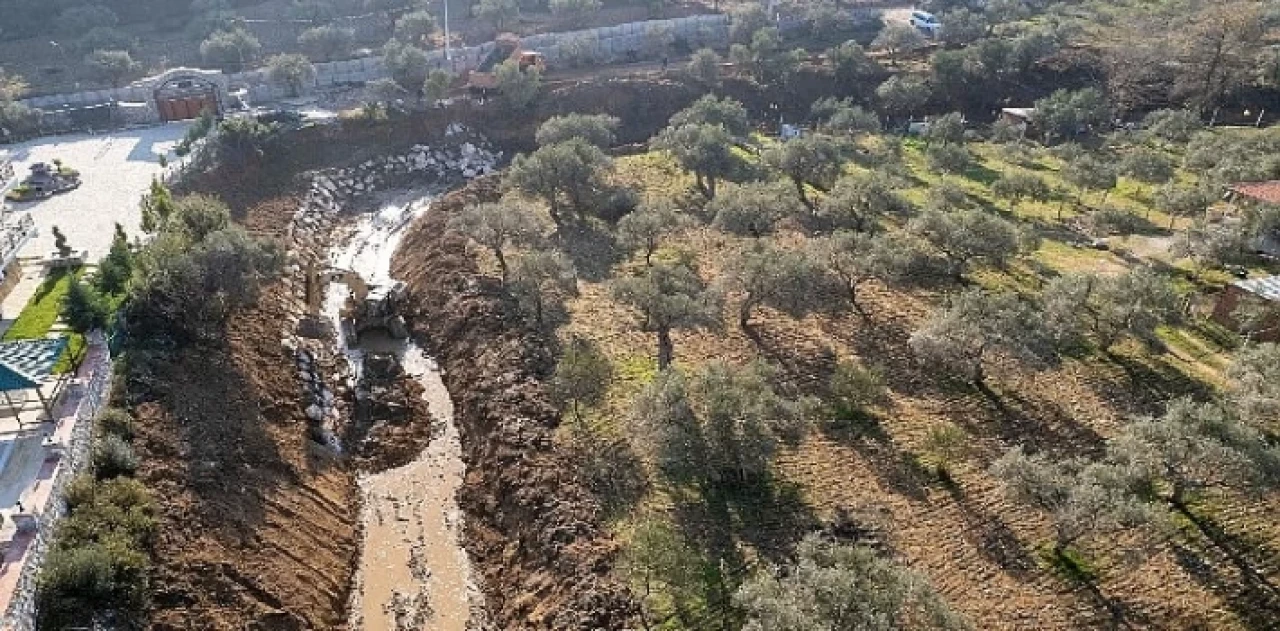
<point>532,530</point>
<point>257,524</point>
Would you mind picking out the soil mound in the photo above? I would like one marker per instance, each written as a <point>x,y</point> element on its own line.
<point>257,524</point>
<point>533,531</point>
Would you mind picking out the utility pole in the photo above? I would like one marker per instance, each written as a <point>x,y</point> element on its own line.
<point>448,51</point>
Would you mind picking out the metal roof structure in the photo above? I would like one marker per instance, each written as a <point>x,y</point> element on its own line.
<point>1266,288</point>
<point>25,363</point>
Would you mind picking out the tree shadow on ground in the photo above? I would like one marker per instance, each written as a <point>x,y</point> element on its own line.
<point>1153,383</point>
<point>770,516</point>
<point>591,248</point>
<point>1256,607</point>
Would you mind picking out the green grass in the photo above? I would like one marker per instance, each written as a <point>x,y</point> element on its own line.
<point>38,317</point>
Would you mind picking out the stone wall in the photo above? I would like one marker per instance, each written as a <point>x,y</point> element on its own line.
<point>634,40</point>
<point>87,394</point>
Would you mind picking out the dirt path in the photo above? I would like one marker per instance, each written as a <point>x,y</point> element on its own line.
<point>413,572</point>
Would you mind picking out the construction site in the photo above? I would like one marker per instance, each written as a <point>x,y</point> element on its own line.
<point>806,317</point>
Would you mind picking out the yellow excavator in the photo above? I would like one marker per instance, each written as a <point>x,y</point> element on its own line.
<point>367,307</point>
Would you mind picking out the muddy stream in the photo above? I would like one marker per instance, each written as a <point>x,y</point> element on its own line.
<point>413,572</point>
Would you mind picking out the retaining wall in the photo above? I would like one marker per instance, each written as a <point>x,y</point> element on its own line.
<point>84,398</point>
<point>599,45</point>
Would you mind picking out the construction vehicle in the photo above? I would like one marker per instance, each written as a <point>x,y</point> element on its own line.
<point>367,306</point>
<point>505,46</point>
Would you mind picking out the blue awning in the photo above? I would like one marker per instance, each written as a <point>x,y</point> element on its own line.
<point>25,363</point>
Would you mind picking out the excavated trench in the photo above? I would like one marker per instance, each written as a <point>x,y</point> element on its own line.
<point>413,572</point>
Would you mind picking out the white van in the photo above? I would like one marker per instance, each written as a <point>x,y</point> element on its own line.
<point>926,23</point>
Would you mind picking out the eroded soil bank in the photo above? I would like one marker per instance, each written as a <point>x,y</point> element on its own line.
<point>532,530</point>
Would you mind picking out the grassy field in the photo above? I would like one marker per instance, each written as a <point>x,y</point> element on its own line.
<point>980,551</point>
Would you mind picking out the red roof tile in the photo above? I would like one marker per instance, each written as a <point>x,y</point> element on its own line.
<point>1268,192</point>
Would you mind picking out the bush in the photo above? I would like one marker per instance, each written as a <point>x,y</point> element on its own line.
<point>113,457</point>
<point>293,71</point>
<point>948,158</point>
<point>326,43</point>
<point>854,388</point>
<point>116,422</point>
<point>704,66</point>
<point>230,49</point>
<point>106,38</point>
<point>596,129</point>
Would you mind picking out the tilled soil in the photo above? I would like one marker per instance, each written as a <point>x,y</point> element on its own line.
<point>257,524</point>
<point>532,530</point>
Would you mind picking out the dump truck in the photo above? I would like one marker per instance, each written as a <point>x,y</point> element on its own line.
<point>506,46</point>
<point>368,306</point>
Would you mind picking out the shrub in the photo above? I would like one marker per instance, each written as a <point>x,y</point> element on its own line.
<point>113,457</point>
<point>293,71</point>
<point>326,43</point>
<point>854,388</point>
<point>116,422</point>
<point>704,66</point>
<point>230,49</point>
<point>595,129</point>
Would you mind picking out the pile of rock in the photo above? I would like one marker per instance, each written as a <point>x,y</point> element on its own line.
<point>307,245</point>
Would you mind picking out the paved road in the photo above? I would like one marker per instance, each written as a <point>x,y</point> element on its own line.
<point>116,170</point>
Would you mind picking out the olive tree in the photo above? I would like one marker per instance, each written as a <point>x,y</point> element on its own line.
<point>518,86</point>
<point>719,427</point>
<point>596,129</point>
<point>901,96</point>
<point>1173,126</point>
<point>569,173</point>
<point>765,58</point>
<point>841,116</point>
<point>1082,499</point>
<point>1254,387</point>
<point>952,159</point>
<point>326,43</point>
<point>666,297</point>
<point>703,149</point>
<point>854,258</point>
<point>709,110</point>
<point>704,66</point>
<point>1182,201</point>
<point>791,281</point>
<point>497,12</point>
<point>1212,245</point>
<point>851,64</point>
<point>645,229</point>
<point>1110,308</point>
<point>499,226</point>
<point>964,237</point>
<point>293,71</point>
<point>1088,173</point>
<point>832,586</point>
<point>1147,166</point>
<point>858,200</point>
<point>415,27</point>
<point>947,129</point>
<point>1196,446</point>
<point>896,39</point>
<point>812,159</point>
<point>1067,113</point>
<point>541,280</point>
<point>961,336</point>
<point>582,375</point>
<point>1018,185</point>
<point>753,209</point>
<point>114,66</point>
<point>230,49</point>
<point>407,64</point>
